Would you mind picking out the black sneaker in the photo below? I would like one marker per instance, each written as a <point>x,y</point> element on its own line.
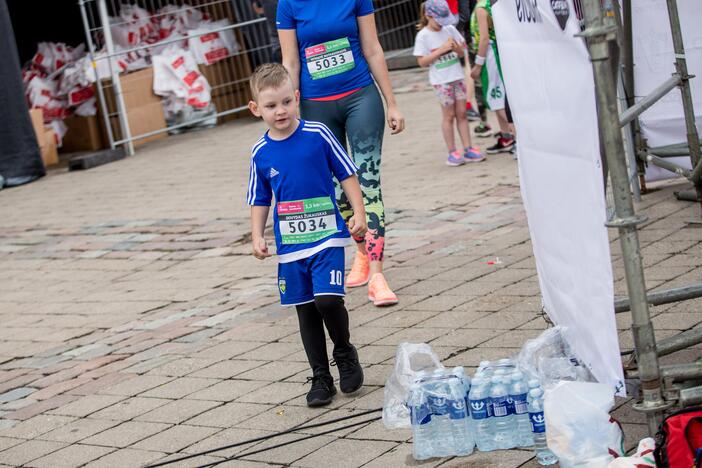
<point>503,145</point>
<point>482,130</point>
<point>322,390</point>
<point>350,371</point>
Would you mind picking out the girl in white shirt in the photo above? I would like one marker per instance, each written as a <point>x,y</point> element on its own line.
<point>439,46</point>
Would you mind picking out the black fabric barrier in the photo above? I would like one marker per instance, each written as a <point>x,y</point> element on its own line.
<point>20,160</point>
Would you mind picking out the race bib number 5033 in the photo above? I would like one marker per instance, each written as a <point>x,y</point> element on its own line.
<point>306,221</point>
<point>329,58</point>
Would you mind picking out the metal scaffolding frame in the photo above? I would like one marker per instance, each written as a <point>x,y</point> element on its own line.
<point>660,387</point>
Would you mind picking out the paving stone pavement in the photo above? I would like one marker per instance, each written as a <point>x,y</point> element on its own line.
<point>136,326</point>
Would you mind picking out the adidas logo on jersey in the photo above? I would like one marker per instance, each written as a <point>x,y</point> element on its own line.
<point>273,173</point>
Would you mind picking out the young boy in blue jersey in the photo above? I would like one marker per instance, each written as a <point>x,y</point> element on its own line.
<point>296,161</point>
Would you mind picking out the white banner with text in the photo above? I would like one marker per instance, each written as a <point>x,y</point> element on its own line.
<point>550,88</point>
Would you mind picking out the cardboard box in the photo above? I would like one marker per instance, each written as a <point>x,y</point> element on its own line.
<point>137,90</point>
<point>144,108</point>
<point>37,116</point>
<point>142,119</point>
<point>49,151</point>
<point>84,134</point>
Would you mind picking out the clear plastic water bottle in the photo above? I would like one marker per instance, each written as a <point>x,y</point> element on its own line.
<point>439,404</point>
<point>420,418</point>
<point>465,380</point>
<point>518,394</point>
<point>534,383</point>
<point>479,400</point>
<point>463,441</point>
<point>502,426</point>
<point>538,424</point>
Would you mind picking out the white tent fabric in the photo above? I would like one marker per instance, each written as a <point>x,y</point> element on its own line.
<point>654,62</point>
<point>549,83</point>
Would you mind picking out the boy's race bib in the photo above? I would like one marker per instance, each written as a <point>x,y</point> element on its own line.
<point>306,221</point>
<point>329,58</point>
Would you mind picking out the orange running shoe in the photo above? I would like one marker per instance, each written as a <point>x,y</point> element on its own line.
<point>379,292</point>
<point>360,271</point>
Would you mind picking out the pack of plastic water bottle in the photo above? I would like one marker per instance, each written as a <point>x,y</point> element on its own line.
<point>440,418</point>
<point>500,409</point>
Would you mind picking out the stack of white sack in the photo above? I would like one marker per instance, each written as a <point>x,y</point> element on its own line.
<point>178,79</point>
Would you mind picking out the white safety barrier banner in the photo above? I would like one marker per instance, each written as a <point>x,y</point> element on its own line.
<point>550,88</point>
<point>654,62</point>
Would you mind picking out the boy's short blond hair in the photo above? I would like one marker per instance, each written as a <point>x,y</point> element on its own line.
<point>268,75</point>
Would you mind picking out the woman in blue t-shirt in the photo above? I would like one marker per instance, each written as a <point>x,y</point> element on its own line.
<point>331,50</point>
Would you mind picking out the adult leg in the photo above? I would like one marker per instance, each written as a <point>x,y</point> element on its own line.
<point>365,124</point>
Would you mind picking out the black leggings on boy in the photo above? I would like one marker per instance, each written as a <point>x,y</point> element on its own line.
<point>313,316</point>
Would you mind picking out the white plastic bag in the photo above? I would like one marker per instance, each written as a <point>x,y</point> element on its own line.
<point>211,47</point>
<point>579,429</point>
<point>410,359</point>
<point>176,74</point>
<point>550,359</point>
<point>643,458</point>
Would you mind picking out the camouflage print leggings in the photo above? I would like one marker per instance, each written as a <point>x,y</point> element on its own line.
<point>361,117</point>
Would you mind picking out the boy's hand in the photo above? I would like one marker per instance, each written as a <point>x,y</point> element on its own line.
<point>358,226</point>
<point>475,72</point>
<point>260,249</point>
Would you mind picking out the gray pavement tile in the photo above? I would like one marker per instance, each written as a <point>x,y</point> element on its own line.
<point>7,442</point>
<point>175,438</point>
<point>288,453</point>
<point>228,415</point>
<point>136,385</point>
<point>500,459</point>
<point>273,393</point>
<point>226,369</point>
<point>344,453</point>
<point>71,456</point>
<point>127,458</point>
<point>178,411</point>
<point>225,438</point>
<point>401,455</point>
<point>276,370</point>
<point>130,408</point>
<point>31,428</point>
<point>414,335</point>
<point>28,451</point>
<point>227,390</point>
<point>87,405</point>
<point>181,367</point>
<point>466,338</point>
<point>126,434</point>
<point>180,387</point>
<point>281,418</point>
<point>78,430</point>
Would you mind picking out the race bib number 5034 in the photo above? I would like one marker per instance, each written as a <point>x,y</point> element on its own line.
<point>305,221</point>
<point>329,58</point>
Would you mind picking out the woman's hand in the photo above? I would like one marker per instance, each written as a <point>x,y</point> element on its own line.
<point>396,121</point>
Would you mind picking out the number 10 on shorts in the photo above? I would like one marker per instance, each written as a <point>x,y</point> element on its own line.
<point>336,278</point>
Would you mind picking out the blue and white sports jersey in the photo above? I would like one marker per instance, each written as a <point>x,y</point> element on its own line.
<point>331,59</point>
<point>299,172</point>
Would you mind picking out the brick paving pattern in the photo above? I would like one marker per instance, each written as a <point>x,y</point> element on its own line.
<point>136,327</point>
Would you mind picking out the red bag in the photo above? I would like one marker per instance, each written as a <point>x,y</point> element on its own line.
<point>679,440</point>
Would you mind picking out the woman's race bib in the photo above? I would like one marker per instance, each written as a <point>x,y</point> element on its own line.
<point>329,58</point>
<point>306,221</point>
